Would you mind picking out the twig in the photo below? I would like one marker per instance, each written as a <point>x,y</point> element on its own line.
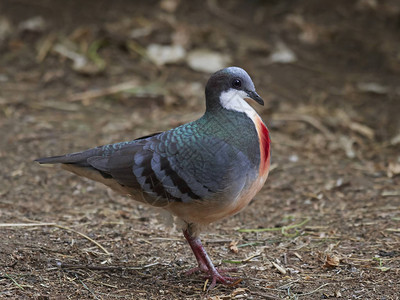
<point>251,257</point>
<point>393,229</point>
<point>264,295</point>
<point>282,229</point>
<point>281,269</point>
<point>286,285</point>
<point>260,229</point>
<point>285,228</point>
<point>102,283</point>
<point>85,236</point>
<point>109,295</point>
<point>243,260</point>
<point>86,287</point>
<point>205,284</point>
<point>250,244</point>
<point>13,280</point>
<point>105,268</point>
<point>312,292</point>
<point>104,92</point>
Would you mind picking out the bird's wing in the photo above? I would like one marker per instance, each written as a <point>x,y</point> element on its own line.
<point>164,166</point>
<point>176,165</point>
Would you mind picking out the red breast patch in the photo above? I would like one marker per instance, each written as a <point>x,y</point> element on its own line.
<point>263,136</point>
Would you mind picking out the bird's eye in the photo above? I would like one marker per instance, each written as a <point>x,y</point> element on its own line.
<point>236,83</point>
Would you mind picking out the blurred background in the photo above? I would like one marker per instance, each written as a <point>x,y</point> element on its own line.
<point>76,74</point>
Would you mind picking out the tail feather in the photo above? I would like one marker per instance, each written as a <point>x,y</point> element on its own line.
<point>77,158</point>
<point>81,158</point>
<point>89,164</point>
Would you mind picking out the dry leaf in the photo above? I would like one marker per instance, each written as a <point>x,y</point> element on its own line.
<point>44,46</point>
<point>362,129</point>
<point>81,63</point>
<point>298,256</point>
<point>5,28</point>
<point>36,24</point>
<point>217,297</point>
<point>169,5</point>
<point>204,60</point>
<point>372,87</point>
<point>308,31</point>
<point>181,36</point>
<point>393,169</point>
<point>233,246</point>
<point>239,291</point>
<point>282,55</point>
<point>395,140</point>
<point>281,269</point>
<point>338,294</point>
<point>331,261</point>
<point>347,144</point>
<point>165,54</point>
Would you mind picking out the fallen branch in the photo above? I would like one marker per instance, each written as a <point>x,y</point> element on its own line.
<point>104,91</point>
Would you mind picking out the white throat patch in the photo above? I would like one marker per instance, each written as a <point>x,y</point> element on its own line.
<point>234,100</point>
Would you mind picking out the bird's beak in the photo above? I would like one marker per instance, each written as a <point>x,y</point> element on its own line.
<point>254,96</point>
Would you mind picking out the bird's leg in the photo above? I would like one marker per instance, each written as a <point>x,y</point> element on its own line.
<point>202,264</point>
<point>204,261</point>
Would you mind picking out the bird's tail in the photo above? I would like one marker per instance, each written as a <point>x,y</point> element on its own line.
<point>77,158</point>
<point>78,163</point>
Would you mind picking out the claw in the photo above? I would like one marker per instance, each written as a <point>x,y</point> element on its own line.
<point>217,277</point>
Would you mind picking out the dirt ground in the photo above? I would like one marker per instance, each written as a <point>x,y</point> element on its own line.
<point>327,220</point>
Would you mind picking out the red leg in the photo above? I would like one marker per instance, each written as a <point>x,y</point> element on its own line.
<point>204,261</point>
<point>202,265</point>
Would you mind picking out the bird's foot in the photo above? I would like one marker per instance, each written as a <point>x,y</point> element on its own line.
<point>215,276</point>
<point>201,268</point>
<point>205,264</point>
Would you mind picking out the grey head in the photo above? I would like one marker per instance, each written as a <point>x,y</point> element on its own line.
<point>229,87</point>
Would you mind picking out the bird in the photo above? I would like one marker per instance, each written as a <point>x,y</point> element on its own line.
<point>201,172</point>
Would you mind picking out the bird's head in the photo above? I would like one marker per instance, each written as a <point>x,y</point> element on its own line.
<point>228,88</point>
